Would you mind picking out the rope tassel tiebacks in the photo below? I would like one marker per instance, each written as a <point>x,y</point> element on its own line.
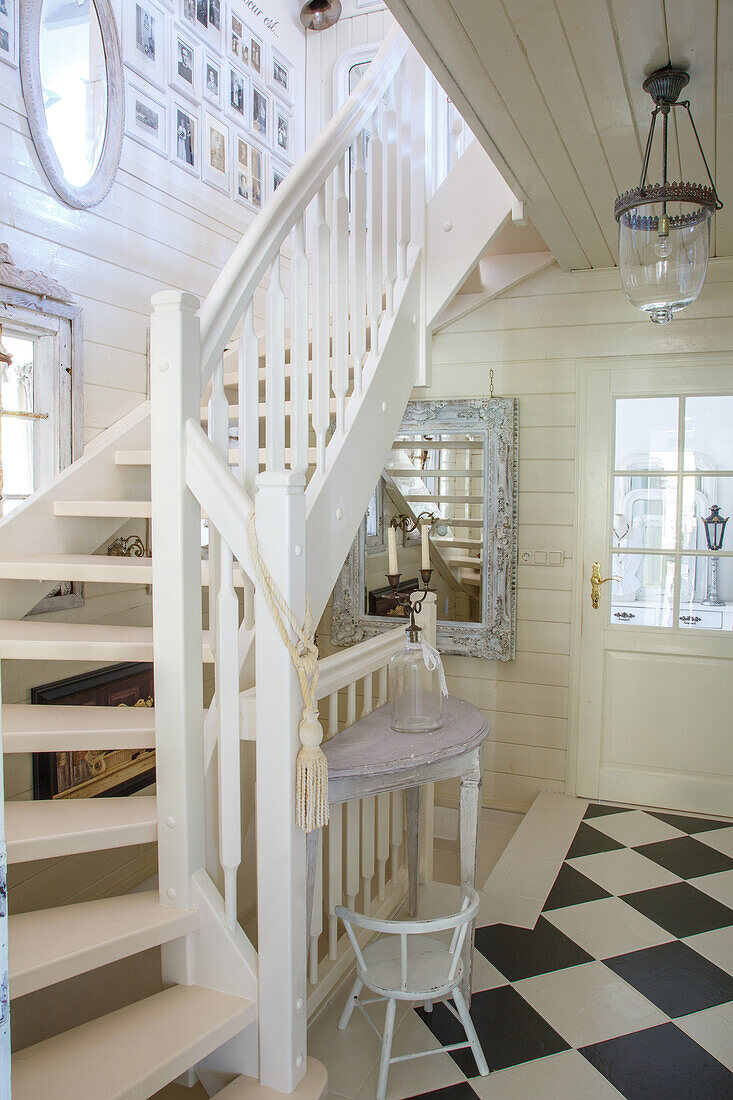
<point>311,767</point>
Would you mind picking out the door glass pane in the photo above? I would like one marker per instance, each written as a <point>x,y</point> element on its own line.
<point>709,433</point>
<point>699,494</point>
<point>706,593</point>
<point>646,433</point>
<point>643,594</point>
<point>644,513</point>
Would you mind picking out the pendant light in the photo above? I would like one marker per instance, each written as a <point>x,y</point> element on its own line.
<point>318,15</point>
<point>664,228</point>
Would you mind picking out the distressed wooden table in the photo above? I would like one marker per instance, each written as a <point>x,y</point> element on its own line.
<point>370,758</point>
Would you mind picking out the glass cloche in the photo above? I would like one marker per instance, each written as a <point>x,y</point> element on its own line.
<point>416,685</point>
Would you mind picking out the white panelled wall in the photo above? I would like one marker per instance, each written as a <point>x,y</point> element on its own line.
<point>538,337</point>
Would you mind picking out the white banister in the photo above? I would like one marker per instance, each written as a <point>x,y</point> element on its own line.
<point>275,371</point>
<point>322,332</point>
<point>340,281</point>
<point>405,169</point>
<point>299,353</point>
<point>391,192</point>
<point>358,262</point>
<point>227,693</point>
<point>374,214</point>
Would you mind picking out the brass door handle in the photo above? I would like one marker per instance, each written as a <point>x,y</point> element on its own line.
<point>595,584</point>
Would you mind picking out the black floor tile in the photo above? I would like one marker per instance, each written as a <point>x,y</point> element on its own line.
<point>674,978</point>
<point>572,888</point>
<point>524,952</point>
<point>686,857</point>
<point>689,824</point>
<point>600,809</point>
<point>681,909</point>
<point>461,1091</point>
<point>510,1031</point>
<point>661,1063</point>
<point>589,841</point>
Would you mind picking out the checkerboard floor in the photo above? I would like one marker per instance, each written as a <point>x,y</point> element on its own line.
<point>624,988</point>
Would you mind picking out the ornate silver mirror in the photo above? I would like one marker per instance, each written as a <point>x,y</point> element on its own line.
<point>71,71</point>
<point>452,470</point>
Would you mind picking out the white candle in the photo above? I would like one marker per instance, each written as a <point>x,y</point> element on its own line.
<point>426,546</point>
<point>392,549</point>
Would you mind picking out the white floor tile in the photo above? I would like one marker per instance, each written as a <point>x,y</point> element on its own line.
<point>623,871</point>
<point>347,1055</point>
<point>712,1029</point>
<point>507,909</point>
<point>717,946</point>
<point>589,1004</point>
<point>436,1071</point>
<point>720,839</point>
<point>565,1076</point>
<point>718,886</point>
<point>484,974</point>
<point>607,927</point>
<point>635,828</point>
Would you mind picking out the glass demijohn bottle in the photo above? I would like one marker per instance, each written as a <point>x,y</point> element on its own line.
<point>415,695</point>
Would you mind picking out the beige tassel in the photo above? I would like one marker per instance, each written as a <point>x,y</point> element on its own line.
<point>311,776</point>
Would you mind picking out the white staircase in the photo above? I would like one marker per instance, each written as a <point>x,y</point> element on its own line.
<point>314,405</point>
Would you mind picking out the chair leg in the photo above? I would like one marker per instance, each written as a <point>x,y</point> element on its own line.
<point>470,1030</point>
<point>428,1006</point>
<point>386,1049</point>
<point>350,1004</point>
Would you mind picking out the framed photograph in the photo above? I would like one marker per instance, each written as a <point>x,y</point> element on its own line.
<point>146,119</point>
<point>215,162</point>
<point>205,18</point>
<point>92,773</point>
<point>185,64</point>
<point>211,79</point>
<point>144,40</point>
<point>249,172</point>
<point>280,76</point>
<point>259,121</point>
<point>256,54</point>
<point>237,94</point>
<point>9,32</point>
<point>188,13</point>
<point>278,172</point>
<point>282,131</point>
<point>185,136</point>
<point>236,46</point>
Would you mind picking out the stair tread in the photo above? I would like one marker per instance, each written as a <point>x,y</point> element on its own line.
<point>124,509</point>
<point>51,945</point>
<point>53,827</point>
<point>135,1051</point>
<point>27,640</point>
<point>30,728</point>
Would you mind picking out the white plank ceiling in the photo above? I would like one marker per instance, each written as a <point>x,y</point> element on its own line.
<point>552,89</point>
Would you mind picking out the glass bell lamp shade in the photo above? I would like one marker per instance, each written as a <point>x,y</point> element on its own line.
<point>663,256</point>
<point>415,697</point>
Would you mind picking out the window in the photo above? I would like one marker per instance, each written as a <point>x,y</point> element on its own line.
<point>673,464</point>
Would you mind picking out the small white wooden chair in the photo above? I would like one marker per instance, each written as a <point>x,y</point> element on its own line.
<point>407,964</point>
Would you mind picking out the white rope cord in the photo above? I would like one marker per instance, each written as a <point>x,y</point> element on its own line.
<point>311,769</point>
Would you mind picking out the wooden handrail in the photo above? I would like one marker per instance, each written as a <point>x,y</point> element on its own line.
<point>340,669</point>
<point>242,273</point>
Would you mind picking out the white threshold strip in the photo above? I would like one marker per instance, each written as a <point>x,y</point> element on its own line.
<point>518,887</point>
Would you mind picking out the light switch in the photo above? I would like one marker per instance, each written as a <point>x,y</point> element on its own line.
<point>555,557</point>
<point>539,557</point>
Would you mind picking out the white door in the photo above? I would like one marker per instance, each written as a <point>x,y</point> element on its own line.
<point>654,670</point>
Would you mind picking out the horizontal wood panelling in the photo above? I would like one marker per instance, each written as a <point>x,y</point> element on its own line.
<point>550,508</point>
<point>524,760</point>
<point>528,668</point>
<point>549,442</point>
<point>540,475</point>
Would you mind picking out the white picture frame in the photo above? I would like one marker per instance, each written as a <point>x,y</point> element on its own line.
<point>237,95</point>
<point>9,32</point>
<point>278,173</point>
<point>260,109</point>
<point>185,147</point>
<point>216,152</point>
<point>146,117</point>
<point>282,131</point>
<point>256,54</point>
<point>280,75</point>
<point>145,40</point>
<point>212,79</point>
<point>185,64</point>
<point>204,18</point>
<point>249,171</point>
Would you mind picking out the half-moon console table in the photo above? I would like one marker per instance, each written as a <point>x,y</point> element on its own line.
<point>369,758</point>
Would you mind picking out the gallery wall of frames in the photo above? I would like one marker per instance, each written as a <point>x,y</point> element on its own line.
<point>204,89</point>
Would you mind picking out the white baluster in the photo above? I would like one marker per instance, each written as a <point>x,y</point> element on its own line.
<point>335,875</point>
<point>375,229</point>
<point>367,820</point>
<point>352,818</point>
<point>383,806</point>
<point>340,293</point>
<point>405,169</point>
<point>390,204</point>
<point>218,427</point>
<point>299,353</point>
<point>248,365</point>
<point>398,817</point>
<point>358,263</point>
<point>275,372</point>
<point>322,332</point>
<point>227,694</point>
<point>317,917</point>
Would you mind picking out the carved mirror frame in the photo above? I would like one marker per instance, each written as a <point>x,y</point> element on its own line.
<point>496,419</point>
<point>30,74</point>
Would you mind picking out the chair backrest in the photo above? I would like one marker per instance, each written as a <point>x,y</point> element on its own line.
<point>459,922</point>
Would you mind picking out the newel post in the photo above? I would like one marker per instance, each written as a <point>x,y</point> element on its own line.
<point>281,880</point>
<point>175,391</point>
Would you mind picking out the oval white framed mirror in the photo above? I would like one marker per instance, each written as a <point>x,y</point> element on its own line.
<point>73,87</point>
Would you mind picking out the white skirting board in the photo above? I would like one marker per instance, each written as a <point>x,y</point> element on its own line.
<point>518,887</point>
<point>4,979</point>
